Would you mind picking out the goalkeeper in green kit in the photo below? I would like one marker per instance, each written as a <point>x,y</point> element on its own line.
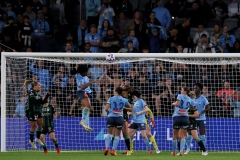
<point>48,126</point>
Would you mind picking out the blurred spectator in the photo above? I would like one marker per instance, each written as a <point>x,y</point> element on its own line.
<point>20,108</point>
<point>184,33</point>
<point>205,92</point>
<point>225,95</point>
<point>194,13</point>
<point>132,75</point>
<point>25,33</point>
<point>138,26</point>
<point>144,71</point>
<point>19,6</point>
<point>79,35</point>
<point>173,41</point>
<point>174,8</point>
<point>104,29</point>
<point>150,5</point>
<point>70,40</point>
<point>105,12</point>
<point>61,74</point>
<point>198,35</point>
<point>234,9</point>
<point>2,24</point>
<point>93,38</point>
<point>180,48</point>
<point>116,68</point>
<point>10,12</point>
<point>219,10</point>
<point>126,7</point>
<point>162,14</point>
<point>19,20</point>
<point>47,16</point>
<point>227,40</point>
<point>158,73</point>
<point>47,44</point>
<point>29,12</point>
<point>58,4</point>
<point>36,6</point>
<point>8,41</point>
<point>40,26</point>
<point>203,74</point>
<point>43,74</point>
<point>129,48</point>
<point>215,36</point>
<point>206,10</point>
<point>132,38</point>
<point>203,44</point>
<point>92,12</point>
<point>71,98</point>
<point>152,21</point>
<point>11,29</point>
<point>110,42</point>
<point>120,26</point>
<point>159,96</point>
<point>181,72</point>
<point>154,40</point>
<point>58,98</point>
<point>68,47</point>
<point>236,48</point>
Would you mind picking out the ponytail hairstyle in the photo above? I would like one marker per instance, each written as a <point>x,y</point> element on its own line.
<point>186,89</point>
<point>27,82</point>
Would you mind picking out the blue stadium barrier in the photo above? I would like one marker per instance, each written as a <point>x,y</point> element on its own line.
<point>222,134</point>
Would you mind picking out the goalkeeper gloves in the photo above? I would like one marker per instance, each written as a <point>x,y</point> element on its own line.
<point>153,123</point>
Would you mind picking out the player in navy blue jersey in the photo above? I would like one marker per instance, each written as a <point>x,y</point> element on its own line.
<point>202,106</point>
<point>139,110</point>
<point>84,94</point>
<point>181,119</point>
<point>114,108</point>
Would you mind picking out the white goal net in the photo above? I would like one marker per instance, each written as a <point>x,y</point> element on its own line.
<point>159,77</point>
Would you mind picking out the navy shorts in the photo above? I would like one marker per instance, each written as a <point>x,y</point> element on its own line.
<point>201,123</point>
<point>116,122</point>
<point>192,126</point>
<point>138,126</point>
<point>180,122</point>
<point>82,95</point>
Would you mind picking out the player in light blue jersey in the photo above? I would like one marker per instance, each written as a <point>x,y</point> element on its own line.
<point>84,94</point>
<point>202,105</point>
<point>114,108</point>
<point>138,118</point>
<point>181,119</point>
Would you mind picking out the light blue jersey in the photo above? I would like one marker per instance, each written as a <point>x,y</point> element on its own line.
<point>200,103</point>
<point>185,103</point>
<point>138,106</point>
<point>83,80</point>
<point>117,103</point>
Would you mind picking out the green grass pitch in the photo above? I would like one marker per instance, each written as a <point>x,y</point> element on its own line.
<point>98,155</point>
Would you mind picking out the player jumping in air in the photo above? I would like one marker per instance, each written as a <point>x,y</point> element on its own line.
<point>33,110</point>
<point>114,108</point>
<point>202,105</point>
<point>148,132</point>
<point>48,126</point>
<point>84,94</point>
<point>138,118</point>
<point>181,119</point>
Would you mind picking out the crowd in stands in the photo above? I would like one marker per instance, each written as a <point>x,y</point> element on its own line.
<point>124,26</point>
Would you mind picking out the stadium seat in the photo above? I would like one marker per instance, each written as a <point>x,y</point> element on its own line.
<point>231,23</point>
<point>212,22</point>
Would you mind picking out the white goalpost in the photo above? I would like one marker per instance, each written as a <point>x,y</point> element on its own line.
<point>159,77</point>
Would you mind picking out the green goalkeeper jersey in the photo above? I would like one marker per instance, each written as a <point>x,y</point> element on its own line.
<point>34,101</point>
<point>48,113</point>
<point>191,112</point>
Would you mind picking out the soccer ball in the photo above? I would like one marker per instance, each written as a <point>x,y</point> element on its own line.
<point>110,57</point>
